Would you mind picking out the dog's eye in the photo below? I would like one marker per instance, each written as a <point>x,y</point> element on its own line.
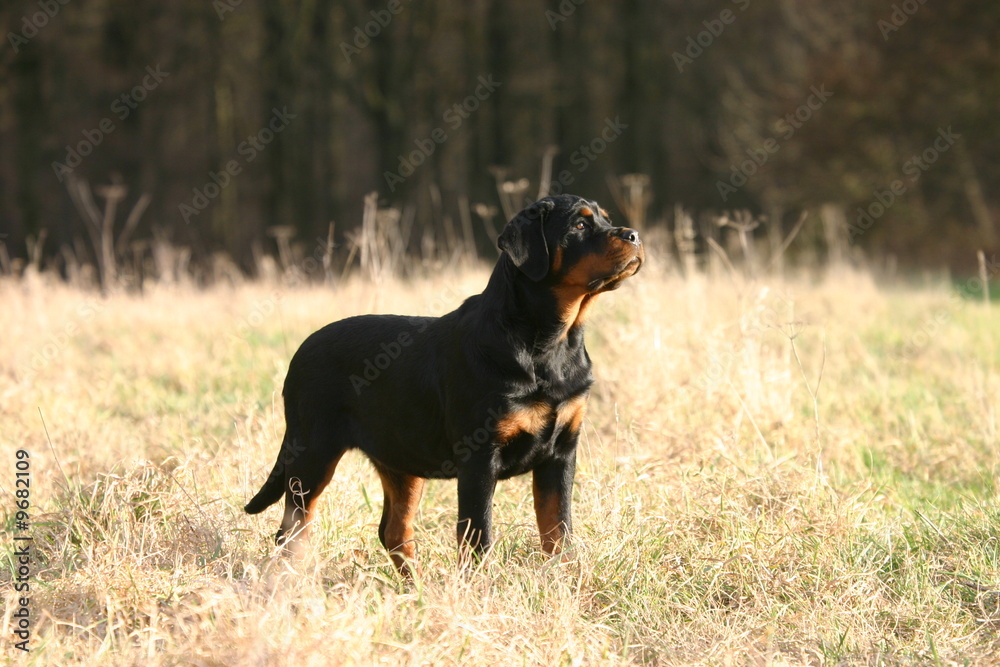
<point>581,225</point>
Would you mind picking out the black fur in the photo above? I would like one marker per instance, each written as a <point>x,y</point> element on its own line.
<point>463,395</point>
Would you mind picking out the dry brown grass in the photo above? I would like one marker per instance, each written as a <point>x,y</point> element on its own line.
<point>723,515</point>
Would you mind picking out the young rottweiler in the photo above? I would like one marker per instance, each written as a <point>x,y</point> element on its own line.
<point>494,389</point>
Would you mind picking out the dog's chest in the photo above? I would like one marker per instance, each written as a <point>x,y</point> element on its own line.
<point>553,406</point>
<point>540,419</point>
<point>541,415</point>
<point>529,434</point>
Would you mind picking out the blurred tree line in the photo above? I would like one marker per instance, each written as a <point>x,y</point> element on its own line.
<point>234,116</point>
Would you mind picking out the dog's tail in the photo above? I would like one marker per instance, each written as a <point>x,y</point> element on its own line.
<point>274,487</point>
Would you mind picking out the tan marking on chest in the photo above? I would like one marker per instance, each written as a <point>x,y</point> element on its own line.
<point>571,414</point>
<point>530,419</point>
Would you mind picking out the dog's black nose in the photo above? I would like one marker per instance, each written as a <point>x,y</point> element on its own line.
<point>629,235</point>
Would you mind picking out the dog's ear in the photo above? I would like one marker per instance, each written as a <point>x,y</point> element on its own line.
<point>523,239</point>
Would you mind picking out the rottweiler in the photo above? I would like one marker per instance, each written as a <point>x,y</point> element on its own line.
<point>494,389</point>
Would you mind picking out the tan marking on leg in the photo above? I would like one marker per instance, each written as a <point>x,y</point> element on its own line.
<point>551,529</point>
<point>403,493</point>
<point>530,419</point>
<point>313,497</point>
<point>300,509</point>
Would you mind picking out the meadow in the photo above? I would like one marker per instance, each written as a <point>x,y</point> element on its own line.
<point>796,470</point>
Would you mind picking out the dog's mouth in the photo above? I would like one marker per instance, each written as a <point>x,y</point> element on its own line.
<point>623,270</point>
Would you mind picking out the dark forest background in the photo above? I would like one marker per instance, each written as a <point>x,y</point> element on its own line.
<point>774,106</point>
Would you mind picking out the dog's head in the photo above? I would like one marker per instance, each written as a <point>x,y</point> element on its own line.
<point>568,242</point>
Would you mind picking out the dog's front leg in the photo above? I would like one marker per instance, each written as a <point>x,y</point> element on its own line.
<point>477,479</point>
<point>552,488</point>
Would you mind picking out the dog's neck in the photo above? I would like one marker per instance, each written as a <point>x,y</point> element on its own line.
<point>529,314</point>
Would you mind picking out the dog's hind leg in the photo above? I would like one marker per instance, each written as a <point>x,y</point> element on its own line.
<point>395,531</point>
<point>386,512</point>
<point>305,478</point>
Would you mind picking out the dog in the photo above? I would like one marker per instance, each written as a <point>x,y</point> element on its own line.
<point>493,389</point>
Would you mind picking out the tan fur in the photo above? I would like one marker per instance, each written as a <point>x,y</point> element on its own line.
<point>571,414</point>
<point>551,529</point>
<point>531,419</point>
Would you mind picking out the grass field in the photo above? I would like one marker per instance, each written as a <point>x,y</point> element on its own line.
<point>796,472</point>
